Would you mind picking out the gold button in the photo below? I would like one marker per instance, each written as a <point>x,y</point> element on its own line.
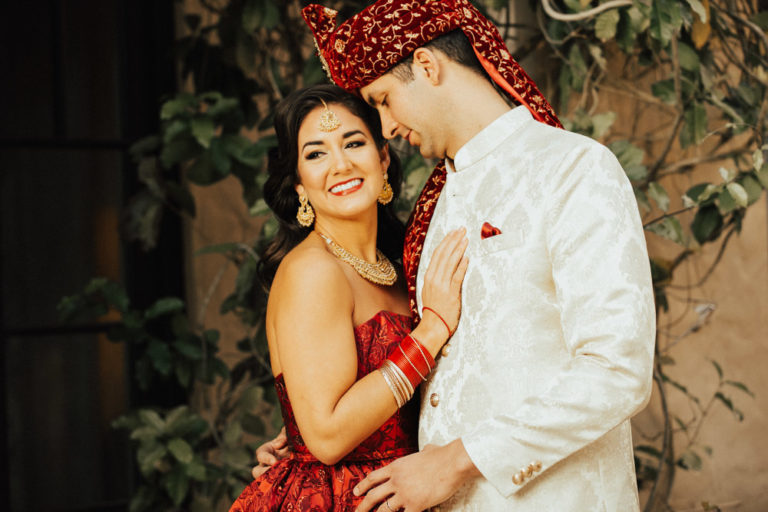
<point>537,465</point>
<point>446,350</point>
<point>529,470</point>
<point>516,479</point>
<point>434,399</point>
<point>522,475</point>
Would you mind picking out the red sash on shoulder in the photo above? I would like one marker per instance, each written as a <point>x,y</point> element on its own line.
<point>416,231</point>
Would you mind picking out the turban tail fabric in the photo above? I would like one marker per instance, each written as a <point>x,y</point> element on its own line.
<point>369,44</point>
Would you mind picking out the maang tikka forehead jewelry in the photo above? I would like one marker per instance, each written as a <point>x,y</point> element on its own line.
<point>329,121</point>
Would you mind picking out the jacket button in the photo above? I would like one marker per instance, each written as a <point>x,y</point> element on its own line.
<point>446,350</point>
<point>434,399</point>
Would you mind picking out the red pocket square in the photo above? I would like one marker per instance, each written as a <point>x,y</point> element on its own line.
<point>488,231</point>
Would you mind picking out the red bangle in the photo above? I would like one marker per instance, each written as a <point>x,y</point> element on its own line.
<point>423,353</point>
<point>412,359</point>
<point>450,332</point>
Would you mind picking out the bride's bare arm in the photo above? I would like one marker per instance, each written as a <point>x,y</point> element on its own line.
<point>315,345</point>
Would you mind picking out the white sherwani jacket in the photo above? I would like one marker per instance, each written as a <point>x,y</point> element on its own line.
<point>553,353</point>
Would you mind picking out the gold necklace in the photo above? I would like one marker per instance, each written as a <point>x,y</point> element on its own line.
<point>381,272</point>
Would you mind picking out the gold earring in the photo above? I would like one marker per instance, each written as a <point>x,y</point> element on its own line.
<point>305,215</point>
<point>385,197</point>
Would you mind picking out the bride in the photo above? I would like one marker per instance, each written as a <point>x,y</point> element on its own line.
<point>345,354</point>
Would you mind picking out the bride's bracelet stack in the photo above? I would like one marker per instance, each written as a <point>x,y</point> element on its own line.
<point>405,367</point>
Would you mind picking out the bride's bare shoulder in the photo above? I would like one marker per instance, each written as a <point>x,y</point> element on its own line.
<point>310,269</point>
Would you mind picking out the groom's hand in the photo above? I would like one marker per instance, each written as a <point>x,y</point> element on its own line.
<point>418,481</point>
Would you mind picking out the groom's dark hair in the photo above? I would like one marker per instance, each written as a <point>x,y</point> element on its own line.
<point>454,45</point>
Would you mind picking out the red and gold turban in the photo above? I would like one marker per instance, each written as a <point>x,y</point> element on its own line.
<point>370,43</point>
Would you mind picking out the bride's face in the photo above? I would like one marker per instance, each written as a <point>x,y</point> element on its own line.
<point>340,171</point>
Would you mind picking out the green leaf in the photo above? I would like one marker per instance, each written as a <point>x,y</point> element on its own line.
<point>164,306</point>
<point>148,455</point>
<point>659,195</point>
<point>220,157</point>
<point>665,359</point>
<point>642,200</point>
<point>726,203</point>
<point>690,460</point>
<point>578,67</point>
<point>211,336</point>
<point>701,193</point>
<point>741,386</point>
<point>152,419</point>
<point>630,157</point>
<point>680,387</point>
<point>605,24</point>
<point>253,425</point>
<point>687,56</point>
<point>753,188</point>
<point>666,19</point>
<point>251,398</point>
<point>699,9</point>
<point>762,175</point>
<point>196,471</point>
<point>203,172</point>
<point>259,208</point>
<point>729,404</point>
<point>650,450</point>
<point>184,374</point>
<point>251,15</point>
<point>189,350</point>
<point>694,126</point>
<point>144,146</point>
<point>222,106</point>
<point>739,194</point>
<point>180,449</point>
<point>233,433</point>
<point>160,355</point>
<point>665,91</point>
<point>184,103</point>
<point>203,130</point>
<point>177,484</point>
<point>601,123</point>
<point>717,367</point>
<point>706,224</point>
<point>669,228</point>
<point>179,150</point>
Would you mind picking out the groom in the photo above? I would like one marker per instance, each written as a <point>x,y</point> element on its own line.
<point>529,406</point>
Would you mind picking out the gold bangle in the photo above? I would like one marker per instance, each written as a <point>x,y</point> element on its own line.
<point>391,385</point>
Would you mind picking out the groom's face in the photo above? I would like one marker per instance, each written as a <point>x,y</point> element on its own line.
<point>405,108</point>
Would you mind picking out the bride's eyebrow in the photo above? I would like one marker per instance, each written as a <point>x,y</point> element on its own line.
<point>320,143</point>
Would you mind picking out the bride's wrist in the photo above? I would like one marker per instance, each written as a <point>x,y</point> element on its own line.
<point>431,333</point>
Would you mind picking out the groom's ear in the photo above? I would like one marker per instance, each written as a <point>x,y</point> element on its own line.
<point>427,65</point>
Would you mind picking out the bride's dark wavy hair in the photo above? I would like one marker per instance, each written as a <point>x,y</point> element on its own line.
<point>282,166</point>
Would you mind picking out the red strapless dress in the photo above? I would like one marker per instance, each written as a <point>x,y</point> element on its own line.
<point>301,482</point>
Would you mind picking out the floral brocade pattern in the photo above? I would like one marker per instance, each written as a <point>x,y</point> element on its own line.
<point>301,483</point>
<point>367,45</point>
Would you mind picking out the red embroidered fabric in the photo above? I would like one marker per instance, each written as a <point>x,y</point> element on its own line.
<point>367,45</point>
<point>301,483</point>
<point>416,231</point>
